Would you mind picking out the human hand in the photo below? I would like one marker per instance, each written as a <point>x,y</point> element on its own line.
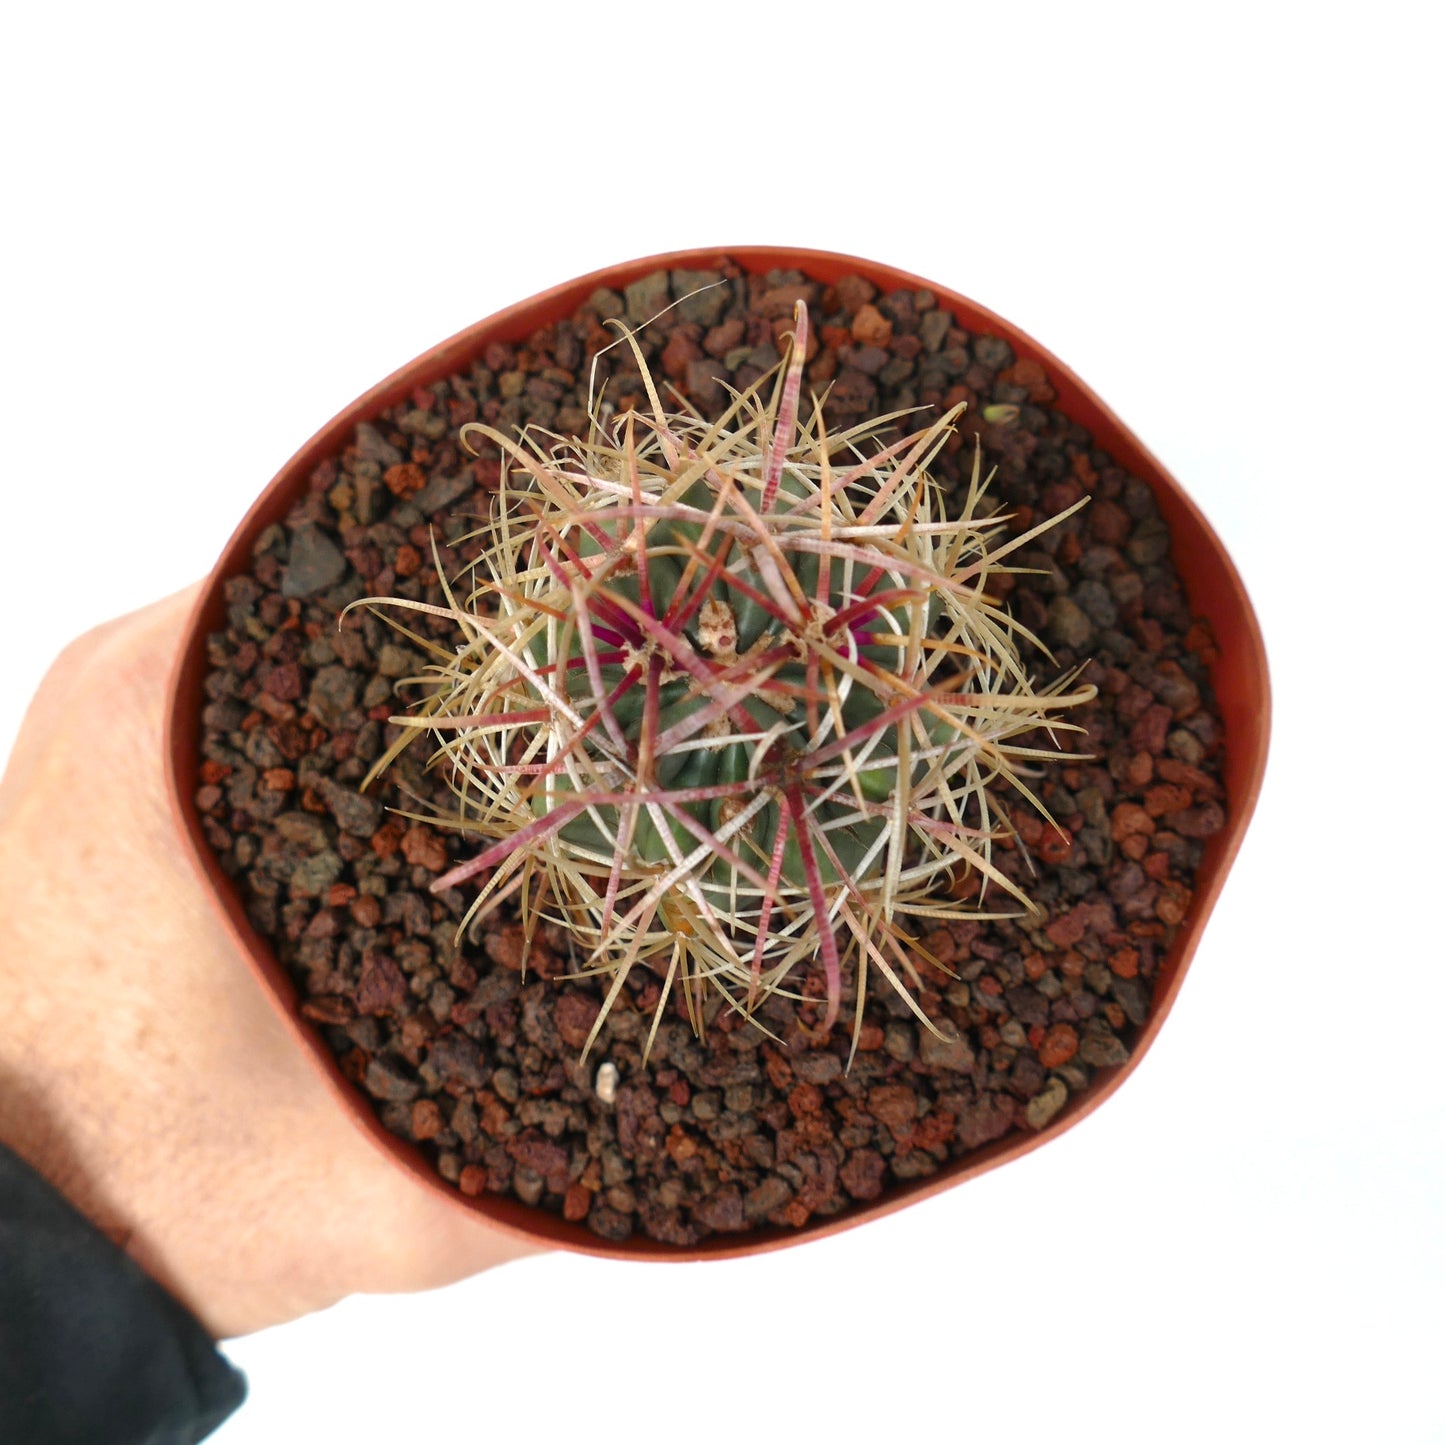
<point>142,1070</point>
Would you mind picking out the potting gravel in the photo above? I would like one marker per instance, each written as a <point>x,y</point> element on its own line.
<point>472,1049</point>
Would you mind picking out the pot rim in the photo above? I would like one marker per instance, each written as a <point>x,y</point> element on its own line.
<point>1239,677</point>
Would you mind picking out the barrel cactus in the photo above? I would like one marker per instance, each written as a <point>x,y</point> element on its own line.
<point>731,700</point>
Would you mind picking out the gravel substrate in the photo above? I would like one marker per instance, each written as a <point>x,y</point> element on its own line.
<point>463,1051</point>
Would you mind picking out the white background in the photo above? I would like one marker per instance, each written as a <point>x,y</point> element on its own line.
<point>222,223</point>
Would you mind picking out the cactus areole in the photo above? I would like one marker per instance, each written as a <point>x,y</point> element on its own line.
<point>733,700</point>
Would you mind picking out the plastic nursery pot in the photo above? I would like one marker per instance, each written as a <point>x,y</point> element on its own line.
<point>1214,590</point>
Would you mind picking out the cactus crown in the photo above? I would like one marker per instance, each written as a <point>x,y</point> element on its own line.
<point>729,697</point>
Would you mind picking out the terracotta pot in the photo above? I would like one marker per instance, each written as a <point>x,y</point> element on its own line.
<point>1215,591</point>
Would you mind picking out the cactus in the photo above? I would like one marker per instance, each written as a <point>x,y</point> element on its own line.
<point>731,699</point>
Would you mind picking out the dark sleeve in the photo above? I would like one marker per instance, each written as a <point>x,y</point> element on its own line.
<point>92,1350</point>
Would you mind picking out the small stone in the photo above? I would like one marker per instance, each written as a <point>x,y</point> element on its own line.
<point>333,694</point>
<point>1069,625</point>
<point>646,297</point>
<point>933,329</point>
<point>315,564</point>
<point>609,1224</point>
<point>606,303</point>
<point>1150,542</point>
<point>722,1210</point>
<point>315,876</point>
<point>371,446</point>
<point>900,1040</point>
<point>895,1106</point>
<point>863,1173</point>
<point>422,847</point>
<point>386,1078</point>
<point>441,493</point>
<point>1100,1047</point>
<point>357,815</point>
<point>701,300</point>
<point>382,987</point>
<point>769,1197</point>
<point>1059,1045</point>
<point>950,1052</point>
<point>871,327</point>
<point>1046,1103</point>
<point>605,1085</point>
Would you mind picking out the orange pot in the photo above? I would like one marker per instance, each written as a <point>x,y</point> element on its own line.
<point>1239,678</point>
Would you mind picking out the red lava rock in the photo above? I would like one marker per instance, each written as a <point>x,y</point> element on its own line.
<point>1201,822</point>
<point>863,1173</point>
<point>806,1100</point>
<point>871,327</point>
<point>408,560</point>
<point>990,1117</point>
<point>779,1070</point>
<point>1108,523</point>
<point>1157,865</point>
<point>387,838</point>
<point>680,1144</point>
<point>278,780</point>
<point>1198,782</point>
<point>1130,820</point>
<point>282,682</point>
<point>895,1106</point>
<point>679,353</point>
<point>426,1119</point>
<point>1124,962</point>
<point>575,1014</point>
<point>328,1009</point>
<point>404,480</point>
<point>1030,374</point>
<point>941,945</point>
<point>1172,904</point>
<point>473,1180</point>
<point>1060,1044</point>
<point>1152,729</point>
<point>1140,770</point>
<point>366,911</point>
<point>1166,798</point>
<point>1068,928</point>
<point>533,1150</point>
<point>423,848</point>
<point>870,1039</point>
<point>340,894</point>
<point>722,1210</point>
<point>383,986</point>
<point>576,1203</point>
<point>722,338</point>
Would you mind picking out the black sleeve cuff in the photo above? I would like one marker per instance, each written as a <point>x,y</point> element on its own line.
<point>92,1350</point>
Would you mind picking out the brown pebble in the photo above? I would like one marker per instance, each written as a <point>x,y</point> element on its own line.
<point>871,327</point>
<point>426,1119</point>
<point>1060,1044</point>
<point>422,847</point>
<point>1124,962</point>
<point>366,911</point>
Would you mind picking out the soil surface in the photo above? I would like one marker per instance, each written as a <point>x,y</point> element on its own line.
<point>471,1049</point>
